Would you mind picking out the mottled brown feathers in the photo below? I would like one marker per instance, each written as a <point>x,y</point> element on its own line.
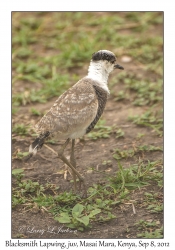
<point>79,107</point>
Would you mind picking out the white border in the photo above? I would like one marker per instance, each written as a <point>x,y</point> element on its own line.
<point>5,95</point>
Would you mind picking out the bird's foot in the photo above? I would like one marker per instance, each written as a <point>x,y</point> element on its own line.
<point>82,183</point>
<point>80,188</point>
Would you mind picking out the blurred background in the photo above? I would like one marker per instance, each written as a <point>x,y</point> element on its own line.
<point>52,50</point>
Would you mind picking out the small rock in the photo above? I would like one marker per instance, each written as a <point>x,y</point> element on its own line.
<point>90,171</point>
<point>101,167</point>
<point>126,59</point>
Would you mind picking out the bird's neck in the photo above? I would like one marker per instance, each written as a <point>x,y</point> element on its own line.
<point>98,73</point>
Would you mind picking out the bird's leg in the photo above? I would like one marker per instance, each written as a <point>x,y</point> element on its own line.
<point>65,160</point>
<point>61,151</point>
<point>73,162</point>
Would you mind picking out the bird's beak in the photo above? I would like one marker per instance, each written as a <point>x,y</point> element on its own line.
<point>117,66</point>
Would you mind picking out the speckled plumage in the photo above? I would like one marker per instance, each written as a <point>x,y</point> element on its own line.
<point>77,110</point>
<point>73,111</point>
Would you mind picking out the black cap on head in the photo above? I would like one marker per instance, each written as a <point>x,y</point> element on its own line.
<point>104,55</point>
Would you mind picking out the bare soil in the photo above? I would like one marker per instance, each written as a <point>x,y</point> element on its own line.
<point>45,167</point>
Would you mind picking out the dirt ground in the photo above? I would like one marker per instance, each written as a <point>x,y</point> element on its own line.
<point>46,167</point>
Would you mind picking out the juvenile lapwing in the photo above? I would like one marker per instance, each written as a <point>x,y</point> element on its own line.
<point>77,110</point>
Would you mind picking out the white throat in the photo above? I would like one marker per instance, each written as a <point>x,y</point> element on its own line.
<point>98,73</point>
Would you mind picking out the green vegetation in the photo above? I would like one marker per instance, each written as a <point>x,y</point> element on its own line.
<point>139,91</point>
<point>51,87</point>
<point>154,200</point>
<point>103,131</point>
<point>153,232</point>
<point>35,112</point>
<point>133,151</point>
<point>157,234</point>
<point>20,129</point>
<point>137,175</point>
<point>64,206</point>
<point>77,218</point>
<point>19,155</point>
<point>150,119</point>
<point>35,60</point>
<point>78,213</point>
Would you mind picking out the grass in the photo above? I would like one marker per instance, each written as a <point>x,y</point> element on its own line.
<point>35,112</point>
<point>79,213</point>
<point>73,49</point>
<point>64,207</point>
<point>137,175</point>
<point>129,153</point>
<point>139,91</point>
<point>157,234</point>
<point>154,202</point>
<point>51,87</point>
<point>149,229</point>
<point>20,129</point>
<point>150,119</point>
<point>19,155</point>
<point>103,131</point>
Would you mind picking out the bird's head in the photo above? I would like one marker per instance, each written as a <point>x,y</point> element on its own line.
<point>107,59</point>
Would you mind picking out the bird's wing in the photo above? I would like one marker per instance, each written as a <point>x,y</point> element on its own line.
<point>75,108</point>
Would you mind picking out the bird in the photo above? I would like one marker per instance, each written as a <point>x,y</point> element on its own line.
<point>77,110</point>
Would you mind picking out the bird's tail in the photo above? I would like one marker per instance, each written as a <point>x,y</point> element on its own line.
<point>37,144</point>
